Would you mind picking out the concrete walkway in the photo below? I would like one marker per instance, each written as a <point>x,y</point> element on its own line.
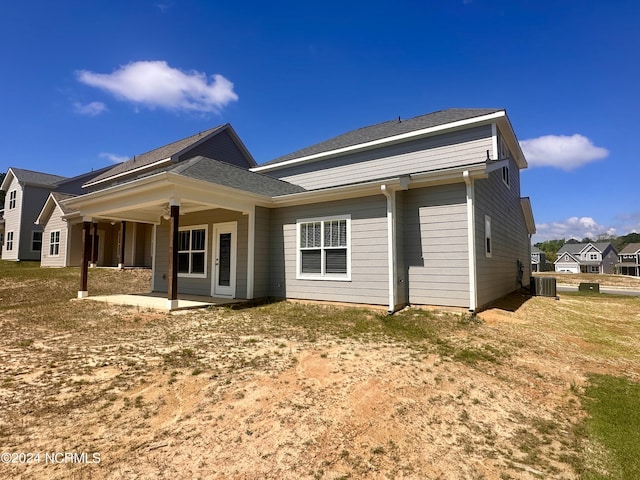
<point>158,301</point>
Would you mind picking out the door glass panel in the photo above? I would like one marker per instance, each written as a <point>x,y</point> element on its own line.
<point>224,260</point>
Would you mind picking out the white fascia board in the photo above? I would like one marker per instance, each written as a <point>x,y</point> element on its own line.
<point>512,141</point>
<point>525,203</point>
<point>387,140</point>
<point>44,213</point>
<point>6,183</point>
<point>128,172</point>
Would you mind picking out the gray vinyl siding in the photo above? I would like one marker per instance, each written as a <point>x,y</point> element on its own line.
<point>453,149</point>
<point>34,199</point>
<point>369,276</point>
<point>497,275</point>
<point>609,261</point>
<point>202,286</point>
<point>436,245</point>
<point>262,264</point>
<point>220,147</point>
<point>55,223</point>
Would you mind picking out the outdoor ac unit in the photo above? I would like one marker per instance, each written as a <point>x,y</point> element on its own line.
<point>543,286</point>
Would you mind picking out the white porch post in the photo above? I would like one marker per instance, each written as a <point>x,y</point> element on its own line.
<point>251,232</point>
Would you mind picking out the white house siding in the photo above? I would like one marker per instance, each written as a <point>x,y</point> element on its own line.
<point>202,286</point>
<point>427,154</point>
<point>436,245</point>
<point>369,274</point>
<point>498,275</point>
<point>54,223</point>
<point>12,221</point>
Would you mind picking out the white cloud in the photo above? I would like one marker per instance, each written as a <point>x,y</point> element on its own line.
<point>561,151</point>
<point>156,84</point>
<point>112,157</point>
<point>573,227</point>
<point>92,109</point>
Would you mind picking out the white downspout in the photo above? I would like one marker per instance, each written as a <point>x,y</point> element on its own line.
<point>391,246</point>
<point>471,239</point>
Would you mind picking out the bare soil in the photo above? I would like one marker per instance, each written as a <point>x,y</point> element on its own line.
<point>230,394</point>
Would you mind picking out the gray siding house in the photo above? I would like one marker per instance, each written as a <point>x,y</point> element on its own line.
<point>538,260</point>
<point>423,211</point>
<point>629,260</point>
<point>586,258</point>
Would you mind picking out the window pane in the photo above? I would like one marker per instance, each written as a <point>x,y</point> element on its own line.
<point>183,240</point>
<point>197,262</point>
<point>183,263</point>
<point>303,235</point>
<point>197,239</point>
<point>311,261</point>
<point>224,260</point>
<point>317,235</point>
<point>343,233</point>
<point>336,261</point>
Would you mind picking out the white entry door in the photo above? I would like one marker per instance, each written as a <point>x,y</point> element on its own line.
<point>224,259</point>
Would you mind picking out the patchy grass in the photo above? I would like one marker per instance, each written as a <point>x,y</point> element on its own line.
<point>613,406</point>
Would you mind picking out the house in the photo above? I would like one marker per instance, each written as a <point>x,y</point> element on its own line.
<point>589,257</point>
<point>124,241</point>
<point>1,230</point>
<point>538,260</point>
<point>419,211</point>
<point>629,260</point>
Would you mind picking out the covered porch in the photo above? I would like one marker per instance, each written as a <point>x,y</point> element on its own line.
<point>203,238</point>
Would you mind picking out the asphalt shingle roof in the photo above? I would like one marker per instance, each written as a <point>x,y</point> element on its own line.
<point>222,173</point>
<point>630,248</point>
<point>387,129</point>
<point>60,198</point>
<point>156,155</point>
<point>574,248</point>
<point>36,178</point>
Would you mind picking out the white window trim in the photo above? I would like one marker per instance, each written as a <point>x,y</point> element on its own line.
<point>13,195</point>
<point>505,176</point>
<point>206,250</point>
<point>340,277</point>
<point>53,232</point>
<point>9,239</point>
<point>488,252</point>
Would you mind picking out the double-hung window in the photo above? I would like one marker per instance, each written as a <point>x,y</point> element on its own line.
<point>12,199</point>
<point>192,251</point>
<point>54,243</point>
<point>36,241</point>
<point>324,248</point>
<point>9,244</point>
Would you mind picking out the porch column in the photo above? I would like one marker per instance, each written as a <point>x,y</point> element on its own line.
<point>123,236</point>
<point>174,225</point>
<point>84,265</point>
<point>94,255</point>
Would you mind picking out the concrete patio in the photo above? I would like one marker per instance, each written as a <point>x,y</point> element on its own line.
<point>158,301</point>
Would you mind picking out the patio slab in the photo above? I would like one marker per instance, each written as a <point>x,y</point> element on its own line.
<point>158,301</point>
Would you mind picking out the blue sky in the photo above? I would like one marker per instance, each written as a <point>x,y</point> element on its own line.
<point>85,84</point>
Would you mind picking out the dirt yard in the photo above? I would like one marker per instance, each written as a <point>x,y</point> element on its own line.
<point>291,391</point>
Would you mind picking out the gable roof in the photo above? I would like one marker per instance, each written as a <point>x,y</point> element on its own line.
<point>30,177</point>
<point>535,249</point>
<point>564,255</point>
<point>54,199</point>
<point>393,130</point>
<point>630,249</point>
<point>575,248</point>
<point>166,153</point>
<point>222,173</point>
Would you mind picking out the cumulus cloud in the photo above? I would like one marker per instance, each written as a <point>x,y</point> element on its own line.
<point>112,157</point>
<point>92,109</point>
<point>155,84</point>
<point>573,227</point>
<point>561,151</point>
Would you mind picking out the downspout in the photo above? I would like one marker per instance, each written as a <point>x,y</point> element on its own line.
<point>391,246</point>
<point>471,239</point>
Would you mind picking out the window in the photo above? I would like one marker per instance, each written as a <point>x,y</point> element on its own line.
<point>505,176</point>
<point>54,243</point>
<point>9,241</point>
<point>1,238</point>
<point>324,248</point>
<point>36,241</point>
<point>594,269</point>
<point>488,248</point>
<point>593,256</point>
<point>12,199</point>
<point>192,251</point>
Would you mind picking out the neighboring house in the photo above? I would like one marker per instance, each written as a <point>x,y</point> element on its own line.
<point>590,257</point>
<point>629,260</point>
<point>419,211</point>
<point>538,260</point>
<point>1,230</point>
<point>26,192</point>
